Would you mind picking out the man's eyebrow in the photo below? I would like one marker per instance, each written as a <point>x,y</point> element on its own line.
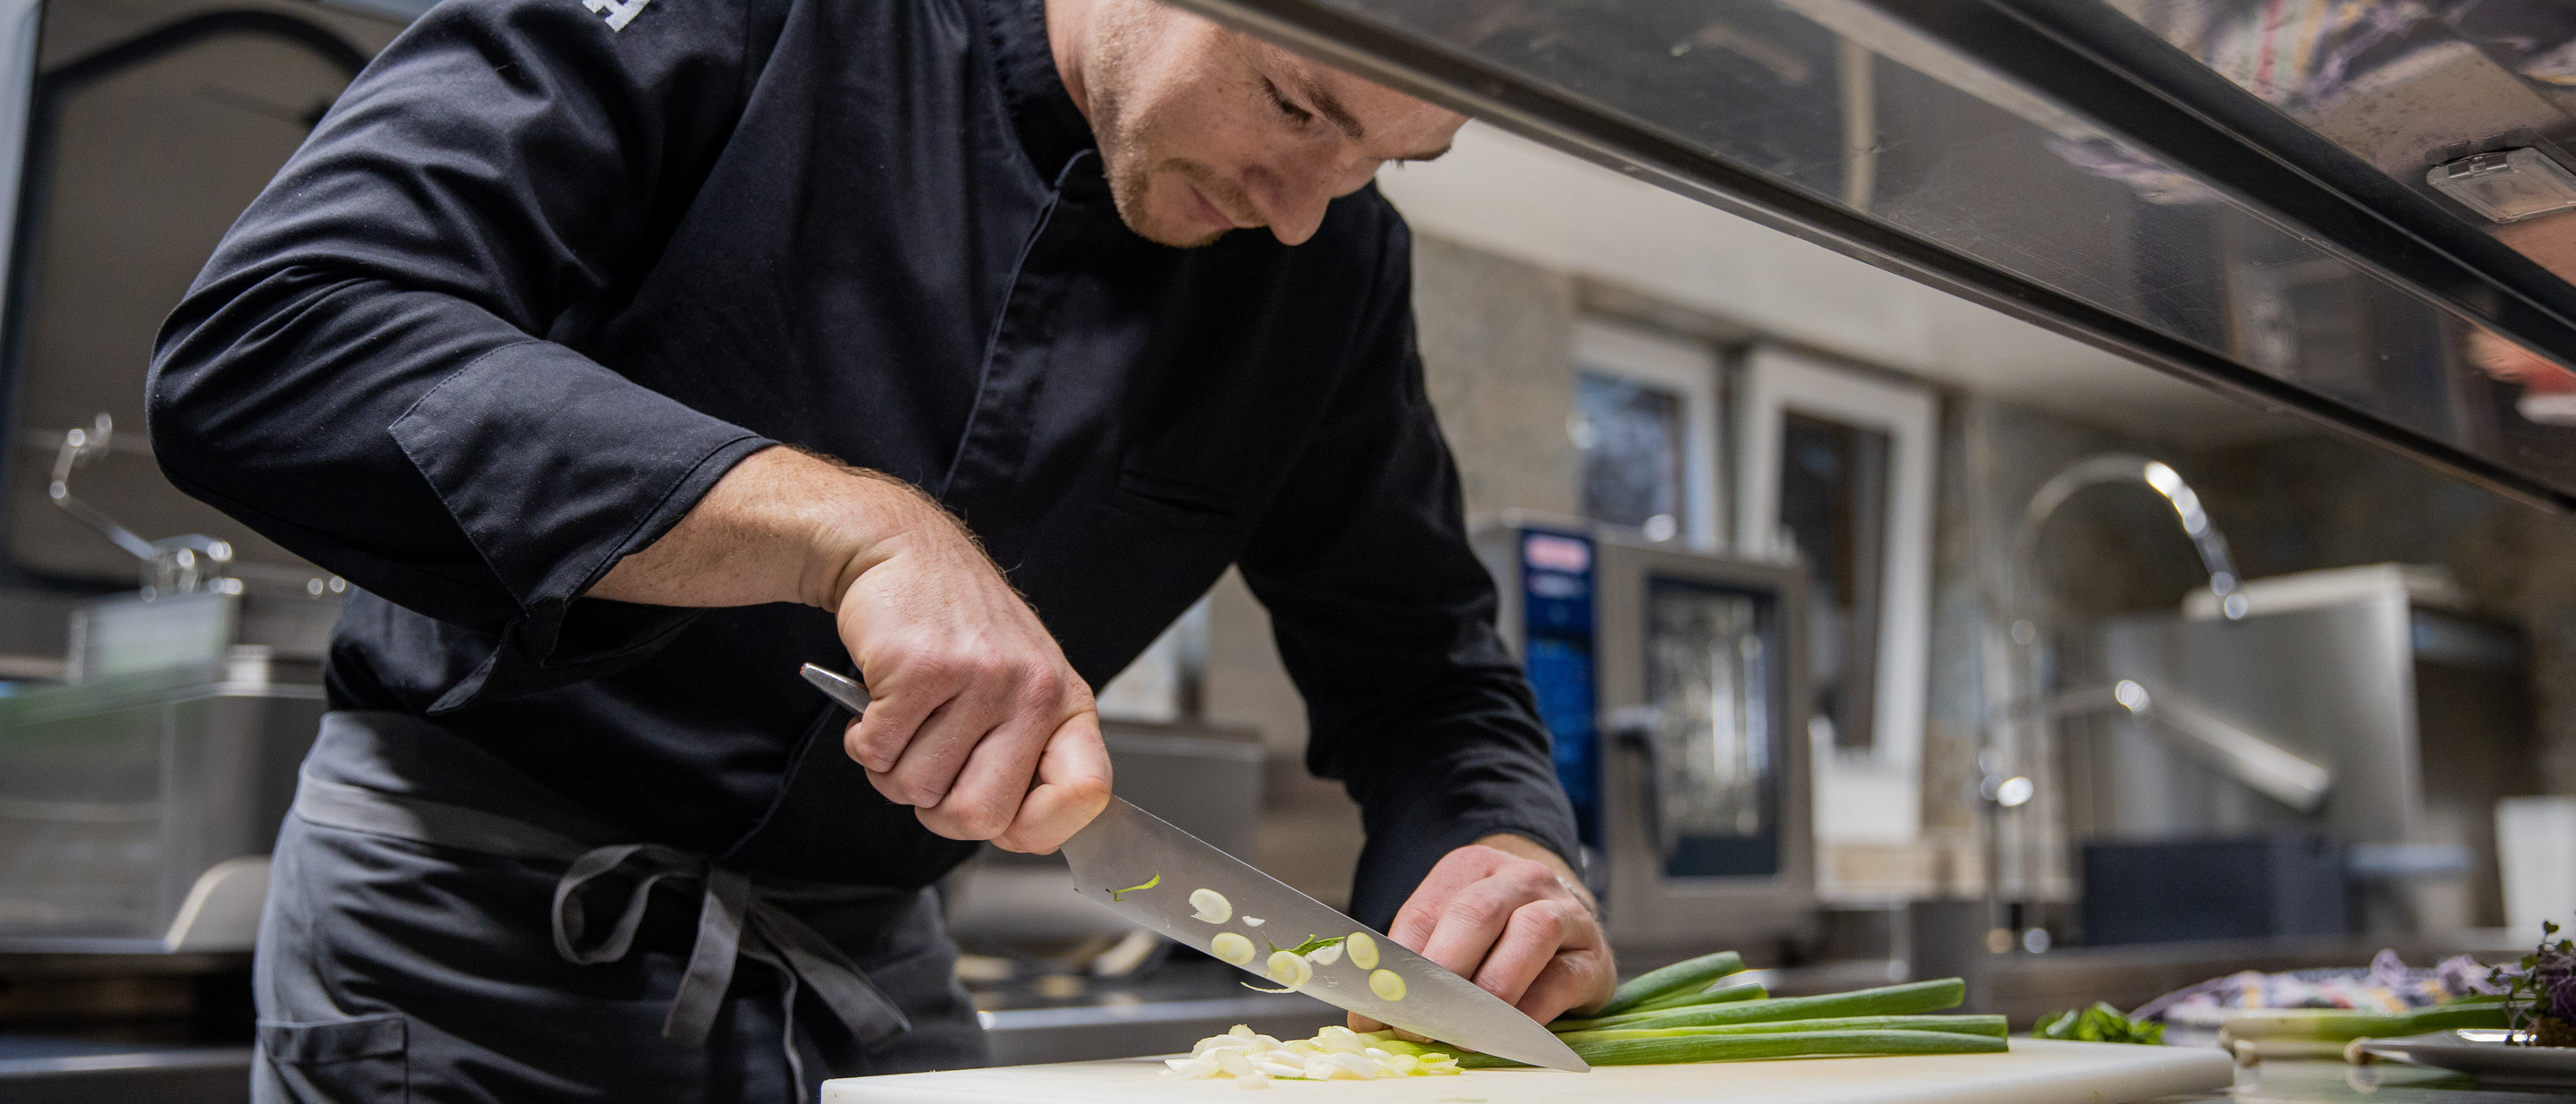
<point>1332,109</point>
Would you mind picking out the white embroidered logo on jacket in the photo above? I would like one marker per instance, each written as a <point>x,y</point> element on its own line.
<point>619,14</point>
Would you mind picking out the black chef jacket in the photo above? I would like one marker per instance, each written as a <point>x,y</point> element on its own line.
<point>550,267</point>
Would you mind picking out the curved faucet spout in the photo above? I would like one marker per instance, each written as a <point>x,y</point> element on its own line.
<point>2124,467</point>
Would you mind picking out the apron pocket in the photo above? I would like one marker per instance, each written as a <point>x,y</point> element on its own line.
<point>359,1059</point>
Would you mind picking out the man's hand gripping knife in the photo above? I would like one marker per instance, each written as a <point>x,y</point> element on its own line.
<point>975,719</point>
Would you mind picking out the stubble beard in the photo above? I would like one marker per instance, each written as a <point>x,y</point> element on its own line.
<point>1128,143</point>
<point>1130,166</point>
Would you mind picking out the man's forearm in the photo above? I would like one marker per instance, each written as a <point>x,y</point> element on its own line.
<point>782,526</point>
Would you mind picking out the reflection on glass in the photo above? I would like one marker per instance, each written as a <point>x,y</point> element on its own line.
<point>1630,437</point>
<point>1835,99</point>
<point>1715,748</point>
<point>1833,505</point>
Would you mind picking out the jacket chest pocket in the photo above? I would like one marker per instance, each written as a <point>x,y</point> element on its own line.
<point>1189,503</point>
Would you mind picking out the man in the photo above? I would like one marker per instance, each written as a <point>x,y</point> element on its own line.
<point>545,340</point>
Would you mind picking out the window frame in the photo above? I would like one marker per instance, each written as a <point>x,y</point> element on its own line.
<point>1873,796</point>
<point>1670,363</point>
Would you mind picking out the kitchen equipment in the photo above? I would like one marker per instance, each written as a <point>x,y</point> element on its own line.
<point>1674,685</point>
<point>137,808</point>
<point>2035,1071</point>
<point>2288,883</point>
<point>1156,875</point>
<point>2374,673</point>
<point>2483,1054</point>
<point>2536,854</point>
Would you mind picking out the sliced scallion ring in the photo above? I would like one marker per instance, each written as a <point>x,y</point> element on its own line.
<point>1387,985</point>
<point>1290,969</point>
<point>1211,906</point>
<point>1231,947</point>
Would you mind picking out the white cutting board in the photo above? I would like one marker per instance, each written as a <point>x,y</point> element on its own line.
<point>2035,1071</point>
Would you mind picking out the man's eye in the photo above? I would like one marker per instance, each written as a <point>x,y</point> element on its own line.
<point>1294,113</point>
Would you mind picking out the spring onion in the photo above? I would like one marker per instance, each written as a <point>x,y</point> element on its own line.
<point>1725,994</point>
<point>1688,976</point>
<point>1149,883</point>
<point>2339,1024</point>
<point>1231,948</point>
<point>1387,985</point>
<point>2099,1024</point>
<point>1210,906</point>
<point>1892,1000</point>
<point>1961,1025</point>
<point>1363,950</point>
<point>1335,1053</point>
<point>1289,968</point>
<point>1702,1047</point>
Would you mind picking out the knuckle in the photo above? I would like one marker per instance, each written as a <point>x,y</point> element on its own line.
<point>1467,908</point>
<point>966,824</point>
<point>984,823</point>
<point>992,669</point>
<point>938,667</point>
<point>1531,878</point>
<point>1541,919</point>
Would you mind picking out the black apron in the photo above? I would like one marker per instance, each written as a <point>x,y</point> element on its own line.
<point>441,928</point>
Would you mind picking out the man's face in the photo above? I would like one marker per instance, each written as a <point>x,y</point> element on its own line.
<point>1204,130</point>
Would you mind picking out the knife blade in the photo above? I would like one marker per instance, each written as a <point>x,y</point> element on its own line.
<point>1141,867</point>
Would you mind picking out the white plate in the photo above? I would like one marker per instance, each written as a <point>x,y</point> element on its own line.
<point>2484,1053</point>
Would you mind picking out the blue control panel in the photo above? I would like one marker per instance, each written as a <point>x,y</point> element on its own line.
<point>1557,633</point>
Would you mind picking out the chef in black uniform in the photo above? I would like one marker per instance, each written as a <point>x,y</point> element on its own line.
<point>627,354</point>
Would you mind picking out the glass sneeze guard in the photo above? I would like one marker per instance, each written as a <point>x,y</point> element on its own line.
<point>2061,160</point>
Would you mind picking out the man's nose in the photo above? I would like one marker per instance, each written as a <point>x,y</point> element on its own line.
<point>1292,197</point>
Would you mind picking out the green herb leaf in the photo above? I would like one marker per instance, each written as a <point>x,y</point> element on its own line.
<point>1149,883</point>
<point>2099,1024</point>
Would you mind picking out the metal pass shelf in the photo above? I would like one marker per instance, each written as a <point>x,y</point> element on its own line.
<point>2206,186</point>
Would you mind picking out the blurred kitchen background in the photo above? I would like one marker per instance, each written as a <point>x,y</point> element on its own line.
<point>1883,634</point>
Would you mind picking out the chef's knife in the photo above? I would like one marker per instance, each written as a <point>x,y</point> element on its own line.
<point>1146,870</point>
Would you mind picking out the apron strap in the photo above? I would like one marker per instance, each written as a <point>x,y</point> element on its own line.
<point>736,920</point>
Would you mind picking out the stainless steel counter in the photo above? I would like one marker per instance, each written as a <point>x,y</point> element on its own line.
<point>2337,1083</point>
<point>1067,1018</point>
<point>47,1070</point>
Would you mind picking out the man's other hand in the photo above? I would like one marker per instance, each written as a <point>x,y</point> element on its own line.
<point>1508,914</point>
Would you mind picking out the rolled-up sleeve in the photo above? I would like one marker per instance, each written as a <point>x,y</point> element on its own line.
<point>362,371</point>
<point>1385,620</point>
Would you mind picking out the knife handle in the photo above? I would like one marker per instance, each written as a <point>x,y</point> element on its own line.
<point>842,689</point>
